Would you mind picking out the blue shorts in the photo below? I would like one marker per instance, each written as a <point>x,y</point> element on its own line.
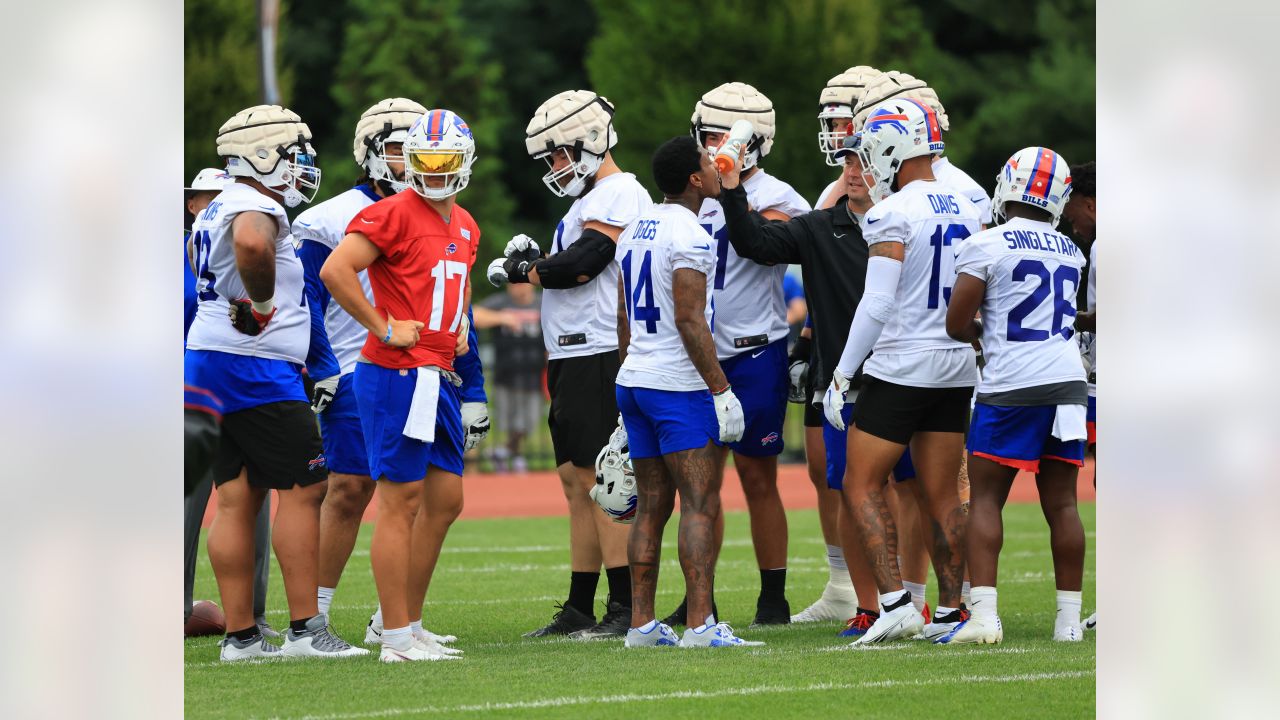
<point>1091,420</point>
<point>341,432</point>
<point>384,396</point>
<point>661,422</point>
<point>837,450</point>
<point>243,381</point>
<point>759,379</point>
<point>1020,437</point>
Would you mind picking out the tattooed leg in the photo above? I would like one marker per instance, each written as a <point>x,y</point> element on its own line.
<point>937,460</point>
<point>870,461</point>
<point>696,475</point>
<point>655,499</point>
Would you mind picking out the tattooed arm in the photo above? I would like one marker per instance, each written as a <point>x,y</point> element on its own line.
<point>689,288</point>
<point>624,324</point>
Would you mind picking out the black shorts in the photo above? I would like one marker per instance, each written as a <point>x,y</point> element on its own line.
<point>896,412</point>
<point>278,442</point>
<point>813,416</point>
<point>584,406</point>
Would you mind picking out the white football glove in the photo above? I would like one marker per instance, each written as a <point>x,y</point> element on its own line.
<point>323,393</point>
<point>522,244</point>
<point>475,423</point>
<point>618,440</point>
<point>729,414</point>
<point>798,381</point>
<point>497,272</point>
<point>833,402</point>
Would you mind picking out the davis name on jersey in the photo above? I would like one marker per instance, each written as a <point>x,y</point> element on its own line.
<point>584,320</point>
<point>326,224</point>
<point>750,310</point>
<point>929,219</point>
<point>287,337</point>
<point>663,239</point>
<point>1032,275</point>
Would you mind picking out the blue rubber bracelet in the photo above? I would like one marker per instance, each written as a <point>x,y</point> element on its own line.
<point>387,339</point>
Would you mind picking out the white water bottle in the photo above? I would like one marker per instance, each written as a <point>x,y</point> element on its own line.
<point>733,146</point>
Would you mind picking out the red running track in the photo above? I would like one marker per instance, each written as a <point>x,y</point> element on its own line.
<point>538,494</point>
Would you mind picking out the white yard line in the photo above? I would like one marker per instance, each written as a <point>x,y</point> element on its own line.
<point>576,700</point>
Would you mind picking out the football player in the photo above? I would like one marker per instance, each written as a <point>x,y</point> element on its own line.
<point>204,188</point>
<point>1030,413</point>
<point>248,340</point>
<point>751,336</point>
<point>676,401</point>
<point>418,248</point>
<point>573,132</point>
<point>1081,212</point>
<point>917,386</point>
<point>336,338</point>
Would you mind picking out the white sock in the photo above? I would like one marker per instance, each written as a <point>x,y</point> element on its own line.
<point>416,627</point>
<point>965,592</point>
<point>324,598</point>
<point>1069,602</point>
<point>942,611</point>
<point>889,598</point>
<point>377,616</point>
<point>983,601</point>
<point>917,591</point>
<point>835,560</point>
<point>648,627</point>
<point>399,638</point>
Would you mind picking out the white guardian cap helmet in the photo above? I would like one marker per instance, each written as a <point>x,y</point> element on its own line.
<point>615,488</point>
<point>439,145</point>
<point>272,145</point>
<point>836,103</point>
<point>1036,176</point>
<point>721,107</point>
<point>577,126</point>
<point>895,131</point>
<point>386,122</point>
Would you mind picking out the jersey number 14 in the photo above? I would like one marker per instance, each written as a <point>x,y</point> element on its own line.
<point>639,299</point>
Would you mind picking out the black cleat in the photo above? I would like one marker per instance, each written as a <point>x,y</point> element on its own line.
<point>772,613</point>
<point>614,624</point>
<point>568,620</point>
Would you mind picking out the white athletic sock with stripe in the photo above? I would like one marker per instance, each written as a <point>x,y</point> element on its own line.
<point>1069,602</point>
<point>324,598</point>
<point>917,591</point>
<point>983,601</point>
<point>839,568</point>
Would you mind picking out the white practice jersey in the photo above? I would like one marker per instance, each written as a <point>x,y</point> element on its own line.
<point>584,320</point>
<point>750,309</point>
<point>288,335</point>
<point>959,180</point>
<point>664,239</point>
<point>929,218</point>
<point>835,188</point>
<point>326,224</point>
<point>1032,275</point>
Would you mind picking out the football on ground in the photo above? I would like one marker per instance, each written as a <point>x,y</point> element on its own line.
<point>206,619</point>
<point>500,578</point>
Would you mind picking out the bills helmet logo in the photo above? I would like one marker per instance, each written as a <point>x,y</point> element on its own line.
<point>884,119</point>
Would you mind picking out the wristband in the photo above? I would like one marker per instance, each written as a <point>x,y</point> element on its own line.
<point>265,307</point>
<point>387,340</point>
<point>721,391</point>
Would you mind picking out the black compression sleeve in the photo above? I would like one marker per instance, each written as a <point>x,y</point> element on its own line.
<point>577,265</point>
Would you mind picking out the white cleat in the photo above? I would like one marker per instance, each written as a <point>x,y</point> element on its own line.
<point>940,633</point>
<point>255,649</point>
<point>416,652</point>
<point>660,635</point>
<point>1091,622</point>
<point>714,634</point>
<point>1069,633</point>
<point>978,630</point>
<point>373,633</point>
<point>428,641</point>
<point>838,602</point>
<point>902,622</point>
<point>318,640</point>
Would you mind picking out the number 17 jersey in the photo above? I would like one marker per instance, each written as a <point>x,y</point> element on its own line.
<point>662,240</point>
<point>1032,275</point>
<point>929,219</point>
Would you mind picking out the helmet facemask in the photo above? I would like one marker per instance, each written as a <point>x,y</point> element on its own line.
<point>577,163</point>
<point>295,178</point>
<point>378,160</point>
<point>834,121</point>
<point>439,148</point>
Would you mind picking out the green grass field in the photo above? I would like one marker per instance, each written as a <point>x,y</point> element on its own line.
<point>499,578</point>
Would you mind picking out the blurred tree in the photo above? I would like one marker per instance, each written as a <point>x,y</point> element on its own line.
<point>221,73</point>
<point>315,32</point>
<point>422,49</point>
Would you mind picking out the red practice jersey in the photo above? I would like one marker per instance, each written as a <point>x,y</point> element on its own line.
<point>421,275</point>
